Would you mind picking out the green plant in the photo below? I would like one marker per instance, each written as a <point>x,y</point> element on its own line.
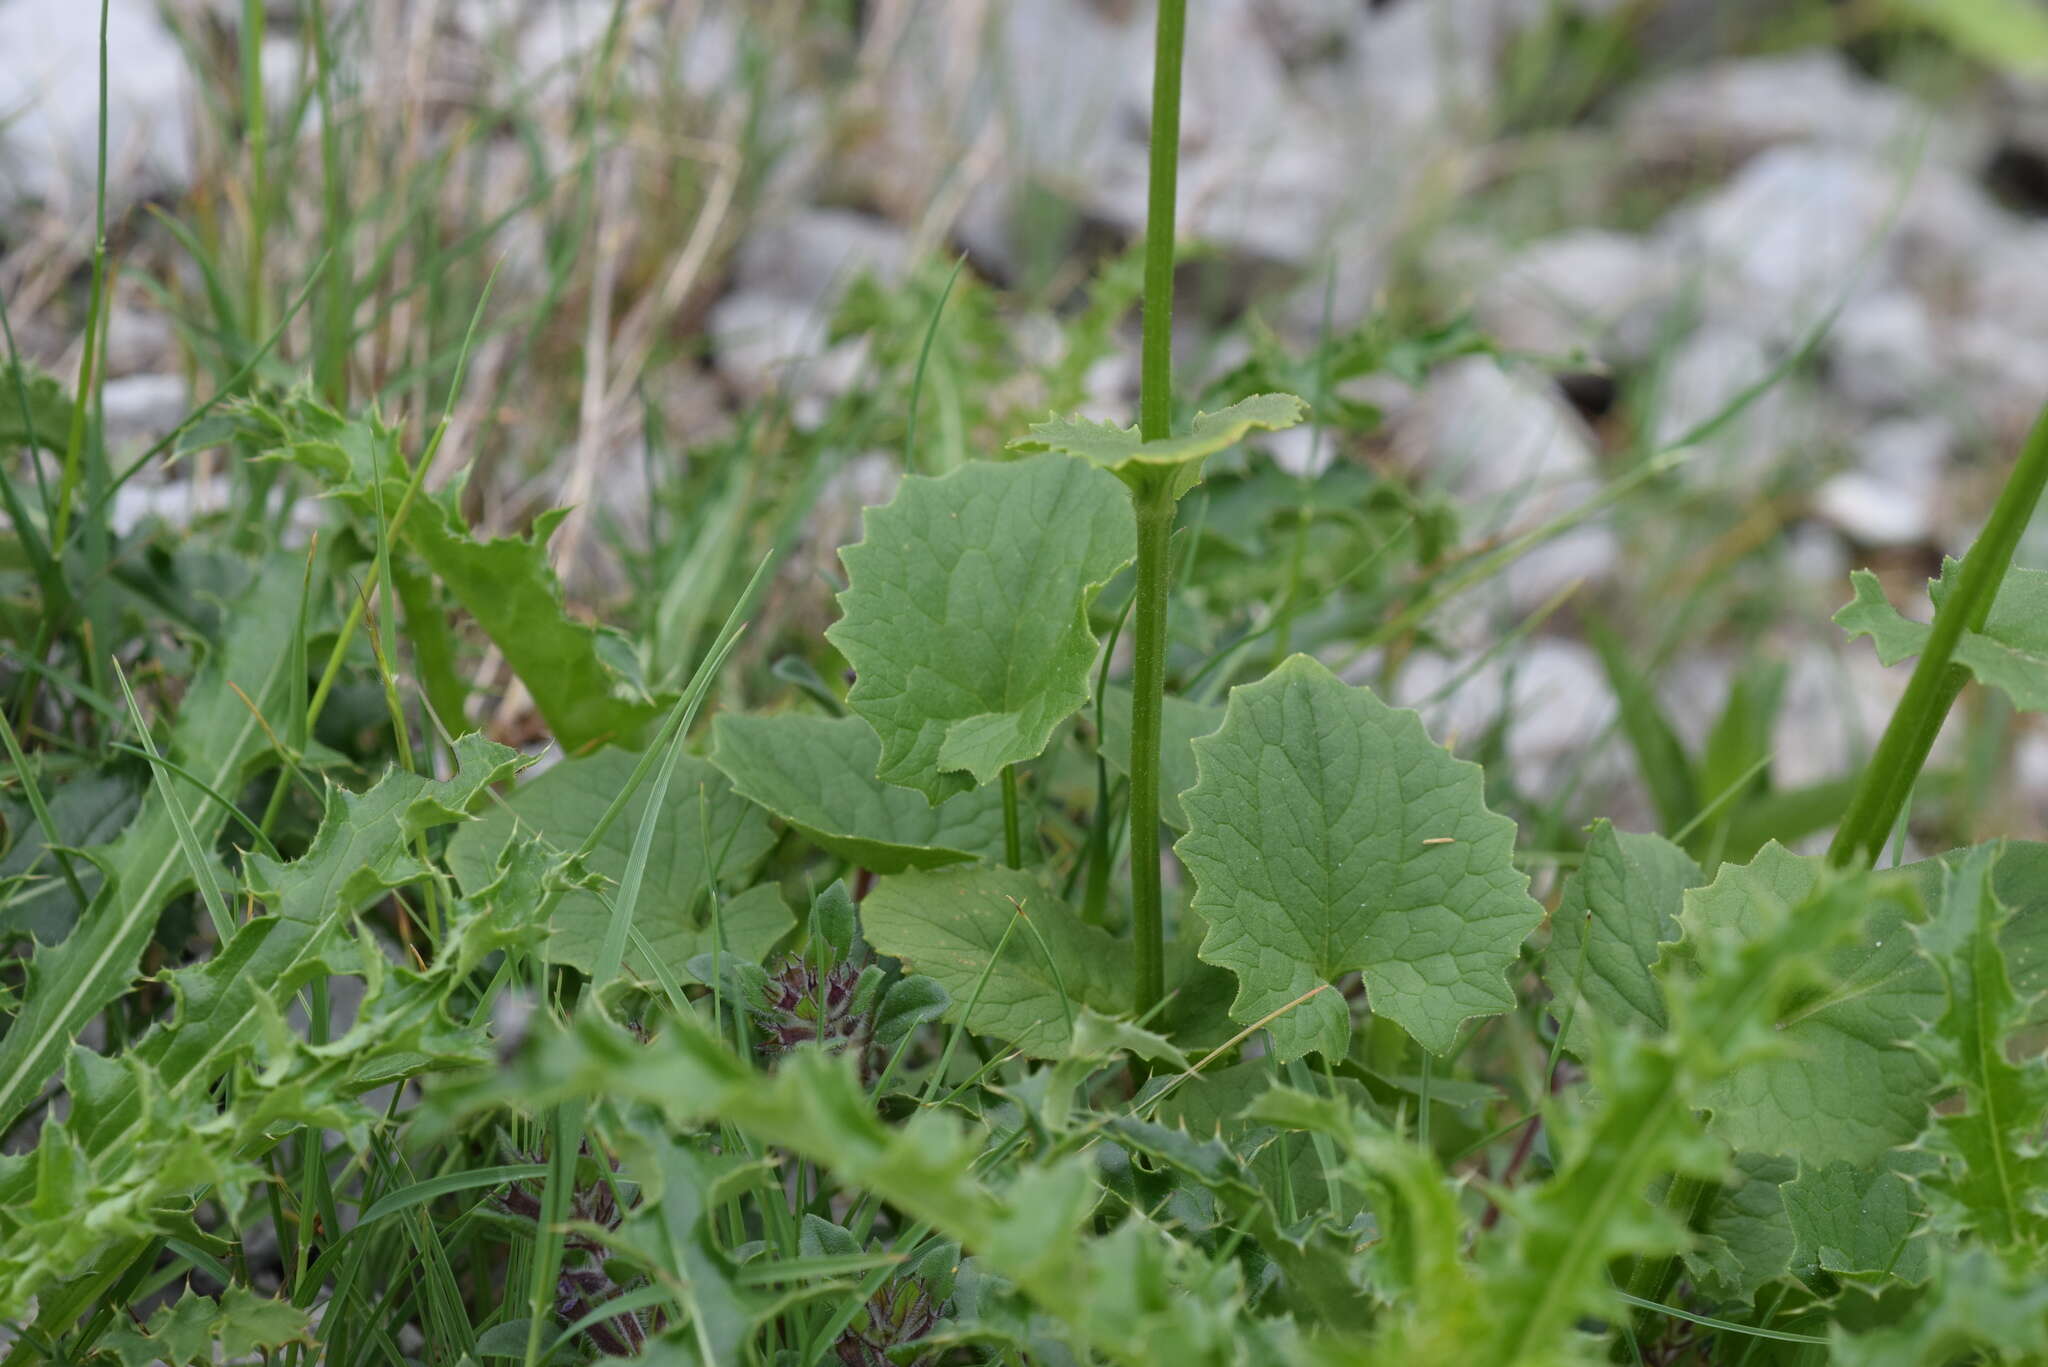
<point>870,1023</point>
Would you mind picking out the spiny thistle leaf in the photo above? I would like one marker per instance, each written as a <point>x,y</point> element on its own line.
<point>218,737</point>
<point>571,668</point>
<point>1994,1170</point>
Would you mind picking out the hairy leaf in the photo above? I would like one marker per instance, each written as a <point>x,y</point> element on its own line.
<point>219,738</point>
<point>1850,1085</point>
<point>966,615</point>
<point>2010,654</point>
<point>1328,834</point>
<point>1994,1160</point>
<point>818,774</point>
<point>706,836</point>
<point>1123,452</point>
<point>1616,911</point>
<point>947,925</point>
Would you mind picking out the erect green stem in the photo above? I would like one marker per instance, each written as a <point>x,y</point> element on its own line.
<point>1148,689</point>
<point>1013,825</point>
<point>1155,394</point>
<point>1152,498</point>
<point>1902,750</point>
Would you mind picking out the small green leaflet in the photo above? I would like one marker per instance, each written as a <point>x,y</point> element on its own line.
<point>1851,1086</point>
<point>1328,834</point>
<point>1136,461</point>
<point>818,774</point>
<point>1616,909</point>
<point>966,615</point>
<point>947,925</point>
<point>707,834</point>
<point>1745,1241</point>
<point>2011,653</point>
<point>1994,1161</point>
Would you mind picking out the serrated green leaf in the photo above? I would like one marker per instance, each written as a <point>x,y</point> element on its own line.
<point>1856,1222</point>
<point>704,828</point>
<point>1123,452</point>
<point>1850,1085</point>
<point>2010,654</point>
<point>1994,1161</point>
<point>1180,722</point>
<point>1327,834</point>
<point>818,774</point>
<point>965,617</point>
<point>221,740</point>
<point>1615,912</point>
<point>947,925</point>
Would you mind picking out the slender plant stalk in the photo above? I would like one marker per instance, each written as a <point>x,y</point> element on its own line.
<point>1902,751</point>
<point>1153,500</point>
<point>1148,690</point>
<point>256,119</point>
<point>1013,823</point>
<point>74,447</point>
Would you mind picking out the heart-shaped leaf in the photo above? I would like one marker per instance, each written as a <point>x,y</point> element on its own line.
<point>818,774</point>
<point>1329,834</point>
<point>965,617</point>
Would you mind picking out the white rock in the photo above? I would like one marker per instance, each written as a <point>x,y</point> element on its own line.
<point>1591,290</point>
<point>1784,241</point>
<point>1706,373</point>
<point>1495,436</point>
<point>49,105</point>
<point>1735,109</point>
<point>1303,452</point>
<point>1553,694</point>
<point>2008,281</point>
<point>1893,496</point>
<point>136,339</point>
<point>809,257</point>
<point>762,343</point>
<point>2000,374</point>
<point>1883,352</point>
<point>141,408</point>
